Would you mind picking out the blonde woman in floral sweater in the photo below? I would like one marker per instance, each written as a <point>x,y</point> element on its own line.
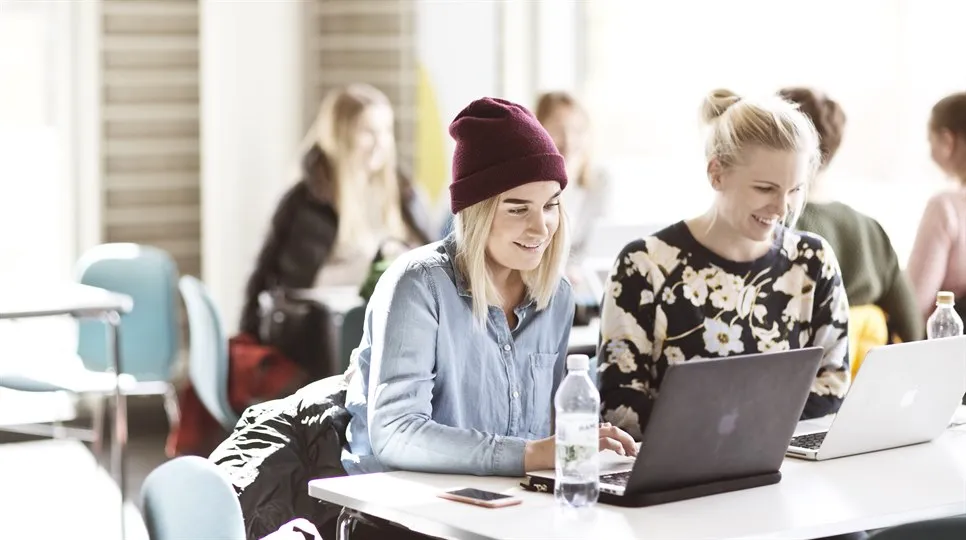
<point>734,280</point>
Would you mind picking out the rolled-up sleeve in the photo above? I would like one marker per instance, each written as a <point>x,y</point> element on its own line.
<point>404,322</point>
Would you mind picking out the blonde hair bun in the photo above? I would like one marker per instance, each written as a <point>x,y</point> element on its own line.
<point>716,103</point>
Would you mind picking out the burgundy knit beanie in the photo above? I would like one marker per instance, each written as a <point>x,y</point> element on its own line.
<point>499,146</point>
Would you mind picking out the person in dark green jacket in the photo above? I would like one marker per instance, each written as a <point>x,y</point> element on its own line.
<point>870,267</point>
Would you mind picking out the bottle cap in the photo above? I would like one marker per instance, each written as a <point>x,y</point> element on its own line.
<point>945,298</point>
<point>578,361</point>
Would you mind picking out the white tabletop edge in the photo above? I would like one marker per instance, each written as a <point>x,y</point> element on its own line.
<point>64,298</point>
<point>864,523</point>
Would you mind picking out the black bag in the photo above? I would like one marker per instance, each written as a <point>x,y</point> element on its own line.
<point>301,328</point>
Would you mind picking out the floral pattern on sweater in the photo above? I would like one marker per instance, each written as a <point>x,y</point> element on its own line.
<point>669,300</point>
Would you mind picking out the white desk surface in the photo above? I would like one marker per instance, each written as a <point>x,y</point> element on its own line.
<point>26,301</point>
<point>814,499</point>
<point>582,336</point>
<point>86,505</point>
<point>339,299</point>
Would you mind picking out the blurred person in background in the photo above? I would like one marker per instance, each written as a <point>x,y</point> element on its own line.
<point>568,124</point>
<point>327,229</point>
<point>938,259</point>
<point>883,303</point>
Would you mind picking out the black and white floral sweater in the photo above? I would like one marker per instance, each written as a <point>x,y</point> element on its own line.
<point>669,299</point>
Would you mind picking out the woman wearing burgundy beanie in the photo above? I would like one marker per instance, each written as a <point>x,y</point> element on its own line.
<point>465,339</point>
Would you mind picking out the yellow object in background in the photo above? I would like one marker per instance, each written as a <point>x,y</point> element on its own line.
<point>868,328</point>
<point>430,159</point>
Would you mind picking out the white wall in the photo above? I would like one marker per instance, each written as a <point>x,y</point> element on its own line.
<point>457,51</point>
<point>457,45</point>
<point>251,99</point>
<point>85,129</point>
<point>512,50</point>
<point>885,61</point>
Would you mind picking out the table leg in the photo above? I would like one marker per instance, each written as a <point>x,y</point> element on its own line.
<point>343,525</point>
<point>119,440</point>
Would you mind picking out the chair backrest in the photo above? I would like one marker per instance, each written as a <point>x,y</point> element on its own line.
<point>207,351</point>
<point>953,528</point>
<point>189,497</point>
<point>150,332</point>
<point>351,335</point>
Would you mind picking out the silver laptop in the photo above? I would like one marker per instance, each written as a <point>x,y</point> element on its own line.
<point>903,394</point>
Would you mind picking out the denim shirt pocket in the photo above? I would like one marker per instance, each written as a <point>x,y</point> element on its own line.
<point>542,371</point>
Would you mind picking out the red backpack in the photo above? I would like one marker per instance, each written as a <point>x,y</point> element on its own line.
<point>256,373</point>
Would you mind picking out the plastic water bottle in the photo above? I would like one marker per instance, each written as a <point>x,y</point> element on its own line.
<point>577,409</point>
<point>944,322</point>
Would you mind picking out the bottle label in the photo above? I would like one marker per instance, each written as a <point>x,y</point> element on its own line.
<point>577,446</point>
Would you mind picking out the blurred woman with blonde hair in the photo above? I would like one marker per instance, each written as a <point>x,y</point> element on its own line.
<point>327,229</point>
<point>568,123</point>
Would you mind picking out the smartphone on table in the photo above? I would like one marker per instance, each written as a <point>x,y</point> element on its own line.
<point>479,497</point>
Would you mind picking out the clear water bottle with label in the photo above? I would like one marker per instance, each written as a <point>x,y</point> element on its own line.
<point>577,410</point>
<point>944,322</point>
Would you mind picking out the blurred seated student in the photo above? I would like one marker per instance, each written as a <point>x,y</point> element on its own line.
<point>466,339</point>
<point>870,266</point>
<point>328,227</point>
<point>568,123</point>
<point>734,280</point>
<point>938,259</point>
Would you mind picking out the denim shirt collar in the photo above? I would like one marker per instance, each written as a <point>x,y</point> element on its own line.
<point>449,244</point>
<point>462,287</point>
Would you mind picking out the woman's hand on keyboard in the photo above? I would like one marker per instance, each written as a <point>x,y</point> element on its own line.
<point>540,454</point>
<point>616,439</point>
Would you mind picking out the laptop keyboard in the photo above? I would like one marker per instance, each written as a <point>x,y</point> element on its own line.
<point>812,441</point>
<point>616,479</point>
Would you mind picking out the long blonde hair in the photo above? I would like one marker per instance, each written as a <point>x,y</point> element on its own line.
<point>773,123</point>
<point>332,130</point>
<point>472,227</point>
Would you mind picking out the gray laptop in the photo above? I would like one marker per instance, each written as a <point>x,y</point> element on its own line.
<point>903,394</point>
<point>718,425</point>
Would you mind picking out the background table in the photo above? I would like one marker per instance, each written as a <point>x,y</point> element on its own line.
<point>80,301</point>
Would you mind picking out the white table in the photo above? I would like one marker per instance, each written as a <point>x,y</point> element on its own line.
<point>585,336</point>
<point>26,301</point>
<point>814,499</point>
<point>338,299</point>
<point>55,489</point>
<point>80,301</point>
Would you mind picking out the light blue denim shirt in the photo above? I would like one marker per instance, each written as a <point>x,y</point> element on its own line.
<point>437,393</point>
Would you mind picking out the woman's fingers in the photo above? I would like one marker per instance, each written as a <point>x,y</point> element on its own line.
<point>628,447</point>
<point>606,443</point>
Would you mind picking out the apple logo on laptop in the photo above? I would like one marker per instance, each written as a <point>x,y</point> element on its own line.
<point>727,423</point>
<point>908,398</point>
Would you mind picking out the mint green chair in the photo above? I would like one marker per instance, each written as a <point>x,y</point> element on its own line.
<point>188,498</point>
